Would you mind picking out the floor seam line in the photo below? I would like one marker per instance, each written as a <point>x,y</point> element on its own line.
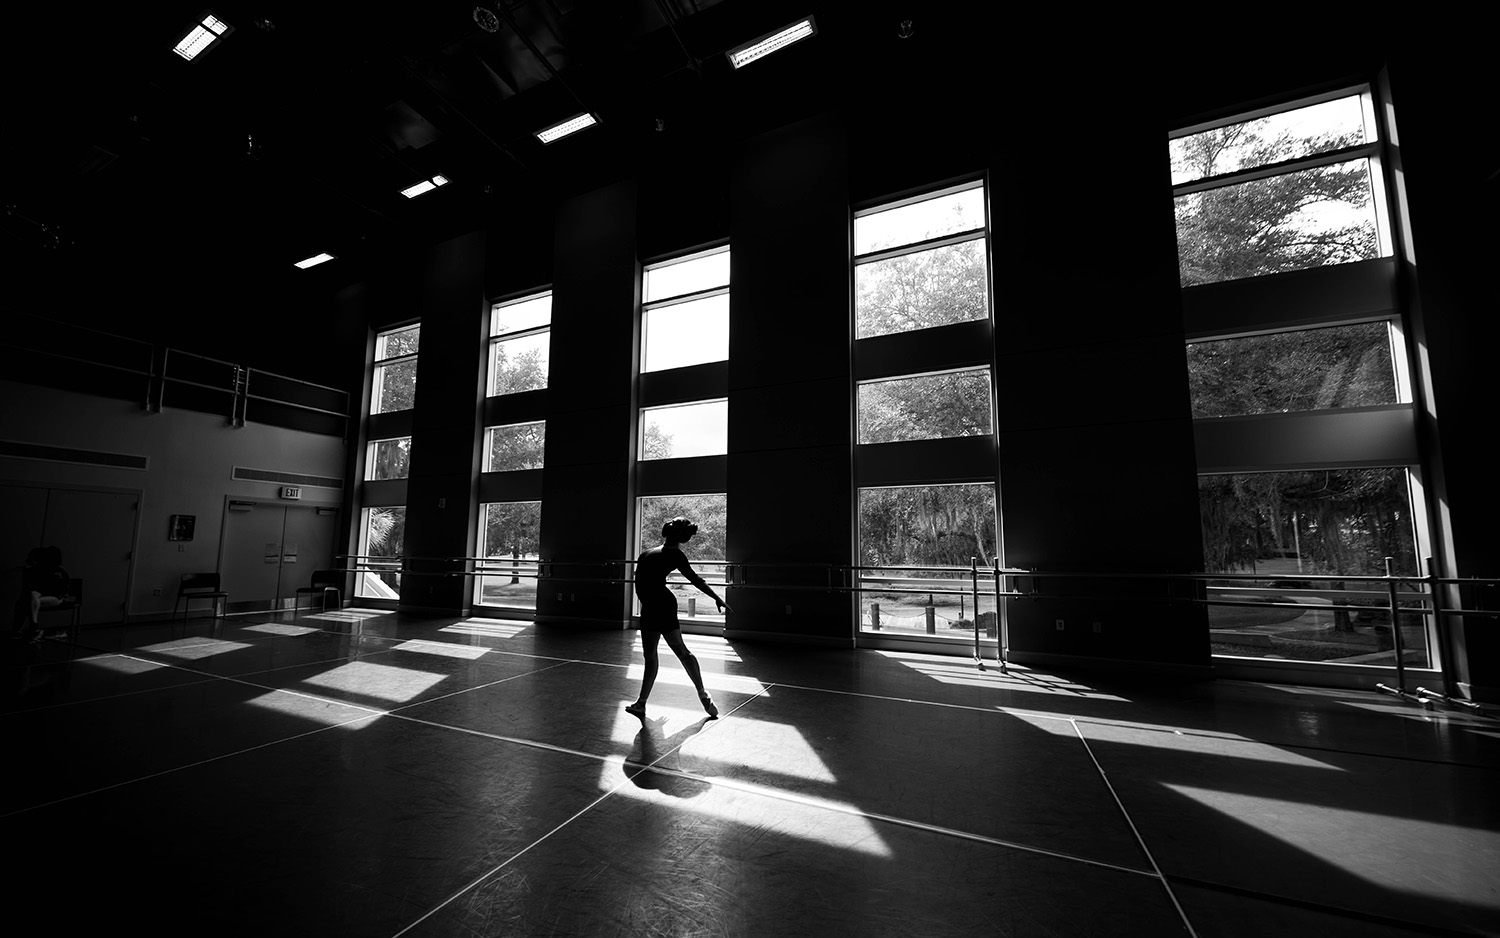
<point>190,765</point>
<point>1150,858</point>
<point>1011,711</point>
<point>1301,747</point>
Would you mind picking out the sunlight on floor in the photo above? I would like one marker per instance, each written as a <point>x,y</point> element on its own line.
<point>442,649</point>
<point>123,664</point>
<point>193,649</point>
<point>323,711</point>
<point>963,672</point>
<point>1398,853</point>
<point>833,824</point>
<point>494,628</point>
<point>1206,744</point>
<point>381,681</point>
<point>280,628</point>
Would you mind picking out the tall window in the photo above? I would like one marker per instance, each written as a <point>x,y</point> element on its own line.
<point>682,426</point>
<point>1299,380</point>
<point>388,459</point>
<point>515,446</point>
<point>685,311</point>
<point>924,419</point>
<point>707,550</point>
<point>509,541</point>
<point>381,535</point>
<point>394,385</point>
<point>520,344</point>
<point>920,263</point>
<point>1296,188</point>
<point>381,542</point>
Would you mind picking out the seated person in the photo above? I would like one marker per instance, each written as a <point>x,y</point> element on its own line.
<point>44,585</point>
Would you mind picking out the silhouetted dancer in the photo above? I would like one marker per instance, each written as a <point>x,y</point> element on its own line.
<point>659,609</point>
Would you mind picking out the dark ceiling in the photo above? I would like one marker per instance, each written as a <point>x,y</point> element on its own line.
<point>296,132</point>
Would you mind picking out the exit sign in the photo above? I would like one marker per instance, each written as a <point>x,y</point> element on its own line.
<point>291,491</point>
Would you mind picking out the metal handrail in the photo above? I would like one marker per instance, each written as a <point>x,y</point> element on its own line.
<point>990,581</point>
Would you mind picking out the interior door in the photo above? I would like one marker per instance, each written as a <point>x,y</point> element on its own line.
<point>271,549</point>
<point>24,509</point>
<point>96,533</point>
<point>307,545</point>
<point>250,553</point>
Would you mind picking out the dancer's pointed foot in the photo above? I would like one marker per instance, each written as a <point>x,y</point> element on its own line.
<point>708,705</point>
<point>636,709</point>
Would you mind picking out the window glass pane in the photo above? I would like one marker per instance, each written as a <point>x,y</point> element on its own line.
<point>382,542</point>
<point>398,343</point>
<point>930,218</point>
<point>688,333</point>
<point>706,551</point>
<point>921,290</point>
<point>519,315</point>
<point>519,364</point>
<point>1317,369</point>
<point>395,387</point>
<point>1301,530</point>
<point>925,407</point>
<point>509,538</point>
<point>517,446</point>
<point>1289,135</point>
<point>1309,218</point>
<point>389,459</point>
<point>663,281</point>
<point>907,530</point>
<point>685,430</point>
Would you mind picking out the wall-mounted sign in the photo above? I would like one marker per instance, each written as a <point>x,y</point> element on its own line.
<point>180,527</point>
<point>291,491</point>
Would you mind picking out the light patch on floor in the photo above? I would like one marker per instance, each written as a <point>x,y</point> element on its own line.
<point>442,649</point>
<point>832,824</point>
<point>1208,745</point>
<point>398,685</point>
<point>310,708</point>
<point>1452,861</point>
<point>122,664</point>
<point>280,628</point>
<point>494,628</point>
<point>194,649</point>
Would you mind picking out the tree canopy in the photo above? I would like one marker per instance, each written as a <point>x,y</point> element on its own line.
<point>1304,218</point>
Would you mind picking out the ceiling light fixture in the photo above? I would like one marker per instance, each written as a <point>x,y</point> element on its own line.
<point>487,20</point>
<point>740,56</point>
<point>426,185</point>
<point>570,126</point>
<point>314,261</point>
<point>202,36</point>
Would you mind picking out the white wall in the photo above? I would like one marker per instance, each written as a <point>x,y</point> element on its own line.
<point>191,461</point>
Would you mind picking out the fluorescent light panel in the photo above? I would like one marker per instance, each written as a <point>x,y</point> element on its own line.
<point>314,260</point>
<point>200,37</point>
<point>569,126</point>
<point>771,42</point>
<point>426,185</point>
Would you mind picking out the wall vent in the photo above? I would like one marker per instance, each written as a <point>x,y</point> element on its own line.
<point>243,474</point>
<point>79,457</point>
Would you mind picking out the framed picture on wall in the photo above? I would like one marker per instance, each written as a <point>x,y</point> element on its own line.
<point>180,527</point>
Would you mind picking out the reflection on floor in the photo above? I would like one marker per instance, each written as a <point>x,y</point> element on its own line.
<point>363,774</point>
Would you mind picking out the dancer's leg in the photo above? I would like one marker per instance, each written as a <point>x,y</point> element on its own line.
<point>690,665</point>
<point>649,639</point>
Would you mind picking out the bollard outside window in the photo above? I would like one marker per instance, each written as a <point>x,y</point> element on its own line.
<point>875,616</point>
<point>692,606</point>
<point>931,619</point>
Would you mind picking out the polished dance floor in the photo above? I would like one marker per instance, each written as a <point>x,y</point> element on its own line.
<point>364,774</point>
